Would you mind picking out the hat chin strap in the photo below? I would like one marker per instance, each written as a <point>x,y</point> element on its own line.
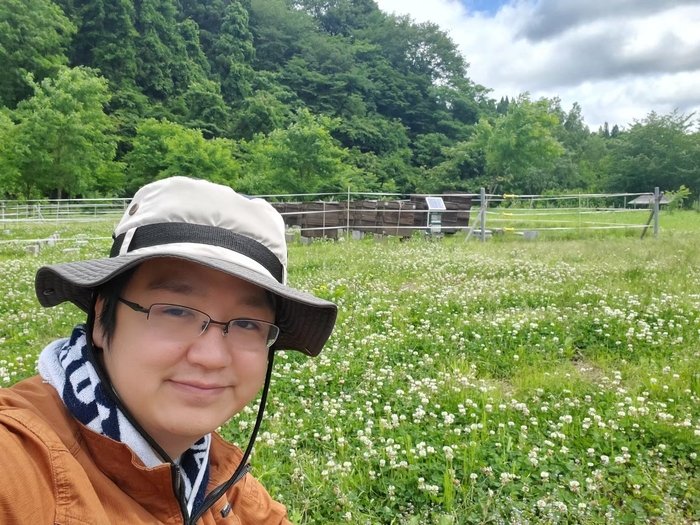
<point>243,466</point>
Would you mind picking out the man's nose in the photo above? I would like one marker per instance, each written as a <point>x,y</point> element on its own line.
<point>211,349</point>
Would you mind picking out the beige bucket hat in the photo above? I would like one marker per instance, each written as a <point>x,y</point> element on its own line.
<point>209,224</point>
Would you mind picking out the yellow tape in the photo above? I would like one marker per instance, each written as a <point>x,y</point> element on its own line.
<point>508,229</point>
<point>506,214</point>
<point>508,196</point>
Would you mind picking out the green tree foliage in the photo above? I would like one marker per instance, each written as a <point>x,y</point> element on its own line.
<point>165,67</point>
<point>463,168</point>
<point>299,95</point>
<point>304,158</point>
<point>660,150</point>
<point>266,110</point>
<point>164,149</point>
<point>341,17</point>
<point>106,37</point>
<point>10,150</point>
<point>519,146</point>
<point>65,137</point>
<point>233,52</point>
<point>34,35</point>
<point>206,109</point>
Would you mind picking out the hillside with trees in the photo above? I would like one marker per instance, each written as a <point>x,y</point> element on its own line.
<point>98,97</point>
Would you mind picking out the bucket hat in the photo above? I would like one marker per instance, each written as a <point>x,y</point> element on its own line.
<point>209,224</point>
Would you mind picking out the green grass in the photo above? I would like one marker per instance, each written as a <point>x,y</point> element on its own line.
<point>550,381</point>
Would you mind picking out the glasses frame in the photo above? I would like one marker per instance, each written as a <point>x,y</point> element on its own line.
<point>224,325</point>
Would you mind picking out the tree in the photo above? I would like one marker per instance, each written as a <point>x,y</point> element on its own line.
<point>66,136</point>
<point>206,109</point>
<point>164,149</point>
<point>518,143</point>
<point>304,158</point>
<point>9,150</point>
<point>165,65</point>
<point>428,150</point>
<point>659,150</point>
<point>262,112</point>
<point>463,169</point>
<point>34,35</point>
<point>233,53</point>
<point>106,37</point>
<point>502,106</point>
<point>279,33</point>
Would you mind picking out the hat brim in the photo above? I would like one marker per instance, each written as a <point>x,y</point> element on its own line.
<point>305,321</point>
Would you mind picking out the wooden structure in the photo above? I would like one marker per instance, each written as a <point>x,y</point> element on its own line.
<point>397,217</point>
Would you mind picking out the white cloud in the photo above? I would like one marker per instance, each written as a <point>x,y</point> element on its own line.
<point>619,59</point>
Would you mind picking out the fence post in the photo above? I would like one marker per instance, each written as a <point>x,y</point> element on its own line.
<point>657,198</point>
<point>2,207</point>
<point>347,217</point>
<point>579,214</point>
<point>483,214</point>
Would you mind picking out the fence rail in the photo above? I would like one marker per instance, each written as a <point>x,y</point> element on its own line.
<point>325,214</point>
<point>64,209</point>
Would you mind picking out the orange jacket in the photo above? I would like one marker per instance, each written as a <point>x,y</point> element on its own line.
<point>56,471</point>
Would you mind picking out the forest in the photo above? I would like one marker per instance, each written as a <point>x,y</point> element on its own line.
<point>98,97</point>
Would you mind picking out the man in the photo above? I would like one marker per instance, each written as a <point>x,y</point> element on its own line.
<point>183,321</point>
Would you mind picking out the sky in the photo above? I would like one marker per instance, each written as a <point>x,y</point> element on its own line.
<point>619,59</point>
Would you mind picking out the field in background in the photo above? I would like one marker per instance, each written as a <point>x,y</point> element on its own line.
<point>510,382</point>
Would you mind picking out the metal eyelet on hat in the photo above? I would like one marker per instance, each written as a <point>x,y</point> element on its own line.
<point>133,208</point>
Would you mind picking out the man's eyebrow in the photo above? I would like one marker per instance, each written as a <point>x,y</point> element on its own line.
<point>256,301</point>
<point>172,285</point>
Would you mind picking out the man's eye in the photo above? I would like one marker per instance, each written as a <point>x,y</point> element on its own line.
<point>246,324</point>
<point>173,311</point>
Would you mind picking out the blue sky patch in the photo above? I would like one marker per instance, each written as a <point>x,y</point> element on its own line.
<point>488,6</point>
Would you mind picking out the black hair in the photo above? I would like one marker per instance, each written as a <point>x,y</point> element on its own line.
<point>110,292</point>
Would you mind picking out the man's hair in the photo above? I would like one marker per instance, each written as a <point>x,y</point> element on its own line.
<point>112,290</point>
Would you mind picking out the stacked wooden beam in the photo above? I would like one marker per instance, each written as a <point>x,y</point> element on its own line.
<point>321,219</point>
<point>400,218</point>
<point>365,217</point>
<point>397,218</point>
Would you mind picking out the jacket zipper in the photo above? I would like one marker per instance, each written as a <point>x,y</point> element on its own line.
<point>179,492</point>
<point>213,497</point>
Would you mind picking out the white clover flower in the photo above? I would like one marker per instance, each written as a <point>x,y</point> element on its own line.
<point>560,506</point>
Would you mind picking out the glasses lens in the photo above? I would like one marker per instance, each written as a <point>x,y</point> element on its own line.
<point>250,334</point>
<point>177,322</point>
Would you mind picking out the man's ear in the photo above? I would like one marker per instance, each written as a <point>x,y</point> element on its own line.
<point>99,339</point>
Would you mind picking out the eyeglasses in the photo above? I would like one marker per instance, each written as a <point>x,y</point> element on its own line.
<point>181,323</point>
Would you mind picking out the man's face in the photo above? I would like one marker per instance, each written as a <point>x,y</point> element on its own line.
<point>180,390</point>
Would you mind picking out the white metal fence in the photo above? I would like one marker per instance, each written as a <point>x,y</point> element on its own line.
<point>62,209</point>
<point>486,213</point>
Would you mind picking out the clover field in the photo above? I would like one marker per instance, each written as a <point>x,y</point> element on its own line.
<point>553,382</point>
